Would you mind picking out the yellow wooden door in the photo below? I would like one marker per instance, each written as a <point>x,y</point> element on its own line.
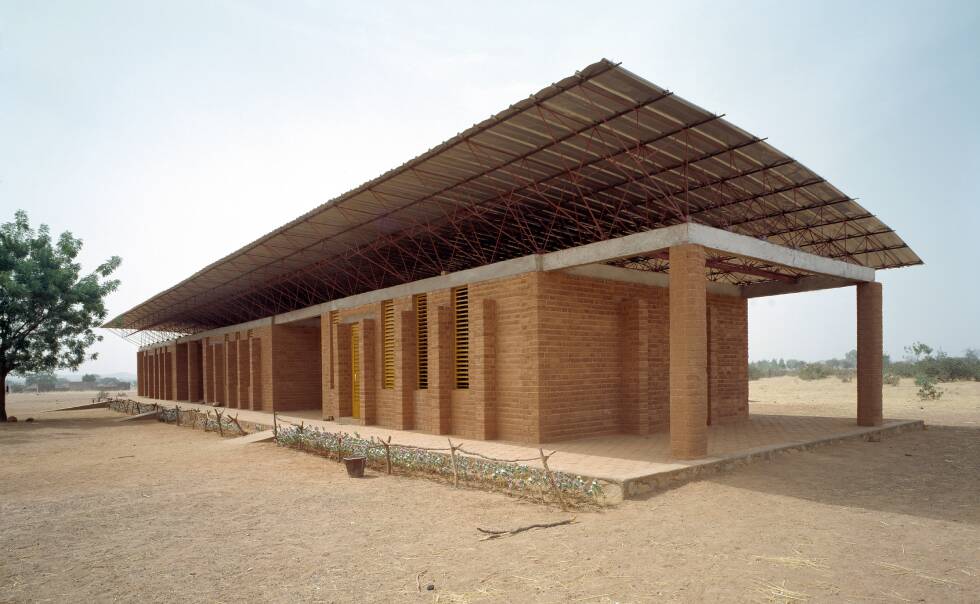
<point>355,364</point>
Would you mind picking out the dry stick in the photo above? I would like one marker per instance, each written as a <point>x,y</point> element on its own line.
<point>551,479</point>
<point>235,419</point>
<point>491,534</point>
<point>340,446</point>
<point>387,446</point>
<point>452,452</point>
<point>275,426</point>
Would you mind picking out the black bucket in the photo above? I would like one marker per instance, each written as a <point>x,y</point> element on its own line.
<point>355,466</point>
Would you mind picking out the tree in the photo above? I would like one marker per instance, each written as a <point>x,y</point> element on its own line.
<point>90,378</point>
<point>45,382</point>
<point>48,309</point>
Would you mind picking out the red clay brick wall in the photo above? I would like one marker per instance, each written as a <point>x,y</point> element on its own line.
<point>594,334</point>
<point>296,367</point>
<point>505,392</point>
<point>728,363</point>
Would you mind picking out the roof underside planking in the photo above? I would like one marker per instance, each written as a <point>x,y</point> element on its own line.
<point>599,155</point>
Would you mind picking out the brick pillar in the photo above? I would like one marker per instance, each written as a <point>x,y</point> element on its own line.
<point>369,372</point>
<point>634,412</point>
<point>155,363</point>
<point>231,372</point>
<point>207,371</point>
<point>218,350</point>
<point>438,412</point>
<point>180,372</point>
<point>256,398</point>
<point>483,356</point>
<point>194,372</point>
<point>688,352</point>
<point>869,349</point>
<point>244,374</point>
<point>340,402</point>
<point>406,368</point>
<point>139,373</point>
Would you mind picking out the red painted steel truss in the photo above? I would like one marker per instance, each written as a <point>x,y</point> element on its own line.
<point>601,155</point>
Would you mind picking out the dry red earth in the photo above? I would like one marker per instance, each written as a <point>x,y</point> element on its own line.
<point>95,510</point>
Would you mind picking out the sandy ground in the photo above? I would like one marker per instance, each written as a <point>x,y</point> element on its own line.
<point>95,510</point>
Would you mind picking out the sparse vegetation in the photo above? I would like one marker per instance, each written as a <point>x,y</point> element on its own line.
<point>927,388</point>
<point>921,360</point>
<point>813,371</point>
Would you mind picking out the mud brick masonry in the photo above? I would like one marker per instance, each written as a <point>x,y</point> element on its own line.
<point>578,265</point>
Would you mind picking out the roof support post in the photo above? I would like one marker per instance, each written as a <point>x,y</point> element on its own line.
<point>869,349</point>
<point>688,352</point>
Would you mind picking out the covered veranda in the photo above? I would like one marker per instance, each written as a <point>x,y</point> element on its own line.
<point>602,175</point>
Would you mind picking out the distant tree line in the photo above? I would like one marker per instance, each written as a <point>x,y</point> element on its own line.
<point>920,359</point>
<point>49,382</point>
<point>926,365</point>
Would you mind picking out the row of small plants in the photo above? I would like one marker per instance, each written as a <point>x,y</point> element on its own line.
<point>512,478</point>
<point>221,424</point>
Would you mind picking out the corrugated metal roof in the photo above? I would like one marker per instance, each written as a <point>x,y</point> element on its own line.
<point>600,154</point>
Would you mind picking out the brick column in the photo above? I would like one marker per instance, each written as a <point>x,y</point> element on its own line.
<point>207,371</point>
<point>231,371</point>
<point>406,368</point>
<point>369,372</point>
<point>180,372</point>
<point>256,398</point>
<point>688,352</point>
<point>483,357</point>
<point>869,347</point>
<point>194,373</point>
<point>340,402</point>
<point>244,374</point>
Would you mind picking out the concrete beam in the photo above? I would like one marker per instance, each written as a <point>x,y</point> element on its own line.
<point>649,278</point>
<point>804,284</point>
<point>750,247</point>
<point>637,244</point>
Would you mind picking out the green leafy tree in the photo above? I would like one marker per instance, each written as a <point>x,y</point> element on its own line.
<point>48,309</point>
<point>90,378</point>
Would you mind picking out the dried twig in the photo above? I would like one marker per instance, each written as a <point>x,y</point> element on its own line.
<point>452,452</point>
<point>492,534</point>
<point>551,479</point>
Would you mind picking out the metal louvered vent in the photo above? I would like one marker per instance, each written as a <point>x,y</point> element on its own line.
<point>422,339</point>
<point>461,337</point>
<point>388,337</point>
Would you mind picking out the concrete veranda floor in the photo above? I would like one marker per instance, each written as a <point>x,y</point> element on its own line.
<point>634,464</point>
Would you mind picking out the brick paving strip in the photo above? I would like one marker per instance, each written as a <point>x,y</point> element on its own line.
<point>629,465</point>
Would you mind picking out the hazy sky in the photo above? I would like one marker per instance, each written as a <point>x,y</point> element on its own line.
<point>172,133</point>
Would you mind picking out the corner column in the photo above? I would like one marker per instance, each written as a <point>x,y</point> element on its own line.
<point>869,350</point>
<point>688,352</point>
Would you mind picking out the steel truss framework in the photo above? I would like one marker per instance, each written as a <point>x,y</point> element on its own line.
<point>598,155</point>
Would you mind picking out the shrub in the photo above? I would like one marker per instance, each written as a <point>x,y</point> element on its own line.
<point>927,388</point>
<point>890,379</point>
<point>813,371</point>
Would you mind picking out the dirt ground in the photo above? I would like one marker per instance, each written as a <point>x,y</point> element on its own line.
<point>95,510</point>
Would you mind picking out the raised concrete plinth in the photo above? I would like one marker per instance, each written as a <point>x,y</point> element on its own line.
<point>626,465</point>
